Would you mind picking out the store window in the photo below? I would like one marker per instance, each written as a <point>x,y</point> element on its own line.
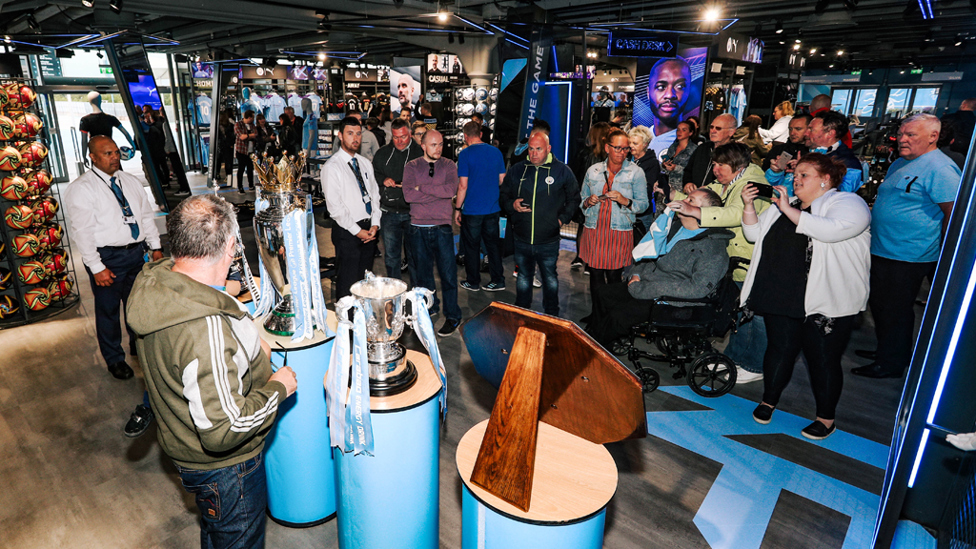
<point>840,100</point>
<point>899,100</point>
<point>864,103</point>
<point>925,99</point>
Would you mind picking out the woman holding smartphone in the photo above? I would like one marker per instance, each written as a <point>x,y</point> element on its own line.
<point>676,158</point>
<point>809,279</point>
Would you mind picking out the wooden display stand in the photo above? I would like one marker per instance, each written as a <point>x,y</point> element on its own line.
<point>390,499</point>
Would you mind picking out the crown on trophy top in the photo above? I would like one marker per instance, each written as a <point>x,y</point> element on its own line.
<point>280,177</point>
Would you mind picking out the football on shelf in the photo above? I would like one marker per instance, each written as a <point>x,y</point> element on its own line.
<point>39,182</point>
<point>10,158</point>
<point>13,187</point>
<point>49,235</point>
<point>11,92</point>
<point>25,245</point>
<point>7,129</point>
<point>5,279</point>
<point>27,125</point>
<point>27,97</point>
<point>19,217</point>
<point>44,209</point>
<point>4,99</point>
<point>33,154</point>
<point>8,307</point>
<point>31,272</point>
<point>37,299</point>
<point>55,263</point>
<point>61,288</point>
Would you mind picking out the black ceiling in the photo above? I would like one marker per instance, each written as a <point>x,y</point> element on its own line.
<point>869,32</point>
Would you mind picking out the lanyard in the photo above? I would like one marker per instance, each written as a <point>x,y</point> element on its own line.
<point>123,202</point>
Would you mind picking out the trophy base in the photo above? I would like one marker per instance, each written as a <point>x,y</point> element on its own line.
<point>281,321</point>
<point>396,384</point>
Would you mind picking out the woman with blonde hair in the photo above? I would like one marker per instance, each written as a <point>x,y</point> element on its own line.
<point>780,132</point>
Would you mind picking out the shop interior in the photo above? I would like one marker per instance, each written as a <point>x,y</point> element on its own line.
<point>701,473</point>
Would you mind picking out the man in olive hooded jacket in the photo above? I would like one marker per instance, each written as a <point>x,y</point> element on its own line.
<point>208,373</point>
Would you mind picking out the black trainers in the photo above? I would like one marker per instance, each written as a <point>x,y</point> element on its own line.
<point>469,286</point>
<point>493,287</point>
<point>817,431</point>
<point>120,370</point>
<point>139,421</point>
<point>763,414</point>
<point>449,327</point>
<point>577,264</point>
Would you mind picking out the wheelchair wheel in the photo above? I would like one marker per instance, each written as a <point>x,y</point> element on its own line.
<point>712,375</point>
<point>649,379</point>
<point>621,347</point>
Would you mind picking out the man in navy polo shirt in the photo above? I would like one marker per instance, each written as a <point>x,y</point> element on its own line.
<point>908,222</point>
<point>481,169</point>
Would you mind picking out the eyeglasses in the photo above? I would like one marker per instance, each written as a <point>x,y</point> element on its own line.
<point>720,128</point>
<point>431,172</point>
<point>418,134</point>
<point>620,149</point>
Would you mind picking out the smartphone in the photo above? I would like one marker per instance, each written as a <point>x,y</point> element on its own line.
<point>786,156</point>
<point>602,197</point>
<point>766,191</point>
<point>526,204</point>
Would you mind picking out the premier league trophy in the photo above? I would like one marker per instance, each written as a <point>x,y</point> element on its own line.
<point>285,233</point>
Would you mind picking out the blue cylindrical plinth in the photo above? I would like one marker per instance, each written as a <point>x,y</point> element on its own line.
<point>390,500</point>
<point>482,527</point>
<point>298,453</point>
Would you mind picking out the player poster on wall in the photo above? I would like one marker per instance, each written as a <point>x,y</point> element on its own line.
<point>668,91</point>
<point>405,89</point>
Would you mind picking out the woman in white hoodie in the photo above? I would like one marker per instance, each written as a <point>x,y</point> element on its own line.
<point>809,279</point>
<point>780,131</point>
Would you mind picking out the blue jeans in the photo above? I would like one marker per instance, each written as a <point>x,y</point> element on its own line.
<point>526,257</point>
<point>232,502</point>
<point>395,227</point>
<point>475,231</point>
<point>430,246</point>
<point>747,346</point>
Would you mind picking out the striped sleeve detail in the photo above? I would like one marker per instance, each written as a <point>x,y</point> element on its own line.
<point>222,383</point>
<point>191,392</point>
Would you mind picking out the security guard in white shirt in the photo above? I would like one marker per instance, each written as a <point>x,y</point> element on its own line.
<point>110,222</point>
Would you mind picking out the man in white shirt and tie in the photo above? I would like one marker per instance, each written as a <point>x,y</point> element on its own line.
<point>353,199</point>
<point>110,222</point>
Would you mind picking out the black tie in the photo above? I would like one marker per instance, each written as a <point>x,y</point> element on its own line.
<point>362,186</point>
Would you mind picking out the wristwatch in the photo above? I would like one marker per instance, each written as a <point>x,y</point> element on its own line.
<point>630,202</point>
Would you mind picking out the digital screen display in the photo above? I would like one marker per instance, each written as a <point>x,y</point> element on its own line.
<point>144,92</point>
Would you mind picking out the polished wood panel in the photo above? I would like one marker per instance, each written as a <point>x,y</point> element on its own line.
<point>585,389</point>
<point>574,478</point>
<point>506,459</point>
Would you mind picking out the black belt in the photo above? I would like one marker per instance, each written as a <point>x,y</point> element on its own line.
<point>365,224</point>
<point>126,247</point>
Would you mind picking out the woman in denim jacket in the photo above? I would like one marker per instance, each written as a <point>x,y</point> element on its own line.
<point>614,193</point>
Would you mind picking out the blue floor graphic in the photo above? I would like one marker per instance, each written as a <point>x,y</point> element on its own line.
<point>737,509</point>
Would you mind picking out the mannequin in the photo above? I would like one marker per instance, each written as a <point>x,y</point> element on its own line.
<point>275,105</point>
<point>251,102</point>
<point>310,129</point>
<point>100,123</point>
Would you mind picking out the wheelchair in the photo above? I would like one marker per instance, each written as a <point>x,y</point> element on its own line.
<point>680,329</point>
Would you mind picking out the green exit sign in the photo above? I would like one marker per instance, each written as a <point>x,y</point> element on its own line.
<point>855,73</point>
<point>916,71</point>
<point>105,70</point>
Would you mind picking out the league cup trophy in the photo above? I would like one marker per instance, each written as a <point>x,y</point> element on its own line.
<point>285,234</point>
<point>382,302</point>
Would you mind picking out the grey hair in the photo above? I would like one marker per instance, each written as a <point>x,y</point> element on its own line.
<point>200,227</point>
<point>642,133</point>
<point>931,121</point>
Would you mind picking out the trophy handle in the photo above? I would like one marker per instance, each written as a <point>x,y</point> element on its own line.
<point>420,296</point>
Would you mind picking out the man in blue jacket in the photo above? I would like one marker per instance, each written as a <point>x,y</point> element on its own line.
<point>540,195</point>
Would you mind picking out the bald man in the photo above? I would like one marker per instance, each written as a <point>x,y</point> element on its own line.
<point>111,225</point>
<point>405,91</point>
<point>698,172</point>
<point>540,195</point>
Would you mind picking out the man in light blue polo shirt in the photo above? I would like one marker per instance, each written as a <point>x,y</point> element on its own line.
<point>481,169</point>
<point>908,223</point>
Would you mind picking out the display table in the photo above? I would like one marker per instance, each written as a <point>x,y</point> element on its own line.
<point>390,499</point>
<point>298,458</point>
<point>574,480</point>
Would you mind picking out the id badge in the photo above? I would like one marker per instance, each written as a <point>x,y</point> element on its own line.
<point>129,219</point>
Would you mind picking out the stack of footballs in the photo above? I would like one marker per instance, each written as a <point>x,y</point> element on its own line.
<point>32,251</point>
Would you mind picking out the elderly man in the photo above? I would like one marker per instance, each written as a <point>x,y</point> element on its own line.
<point>353,199</point>
<point>540,195</point>
<point>823,136</point>
<point>667,94</point>
<point>429,185</point>
<point>111,225</point>
<point>698,172</point>
<point>388,165</point>
<point>208,373</point>
<point>908,223</point>
<point>795,145</point>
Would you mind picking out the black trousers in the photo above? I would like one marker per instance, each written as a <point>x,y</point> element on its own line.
<point>353,258</point>
<point>786,337</point>
<point>602,277</point>
<point>177,163</point>
<point>894,287</point>
<point>125,265</point>
<point>615,311</point>
<point>244,163</point>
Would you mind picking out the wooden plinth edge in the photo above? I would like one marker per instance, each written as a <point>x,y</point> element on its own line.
<point>427,386</point>
<point>284,342</point>
<point>573,479</point>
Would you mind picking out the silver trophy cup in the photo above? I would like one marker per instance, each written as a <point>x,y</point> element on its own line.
<point>382,301</point>
<point>270,237</point>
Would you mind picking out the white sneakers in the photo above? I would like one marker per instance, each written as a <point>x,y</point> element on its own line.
<point>745,376</point>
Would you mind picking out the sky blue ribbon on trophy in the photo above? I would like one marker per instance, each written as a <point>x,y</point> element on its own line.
<point>424,328</point>
<point>319,312</point>
<point>268,298</point>
<point>349,416</point>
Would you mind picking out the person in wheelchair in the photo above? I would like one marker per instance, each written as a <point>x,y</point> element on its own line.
<point>677,259</point>
<point>809,278</point>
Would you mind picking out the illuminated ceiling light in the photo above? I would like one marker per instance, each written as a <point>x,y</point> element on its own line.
<point>813,51</point>
<point>840,52</point>
<point>959,43</point>
<point>711,15</point>
<point>779,27</point>
<point>796,46</point>
<point>797,40</point>
<point>442,17</point>
<point>116,5</point>
<point>321,57</point>
<point>831,66</point>
<point>88,3</point>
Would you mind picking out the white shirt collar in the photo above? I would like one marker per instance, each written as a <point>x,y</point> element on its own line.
<point>102,174</point>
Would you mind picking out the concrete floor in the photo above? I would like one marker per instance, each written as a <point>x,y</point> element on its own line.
<point>71,479</point>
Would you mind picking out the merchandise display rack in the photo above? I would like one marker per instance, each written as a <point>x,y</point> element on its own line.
<point>37,280</point>
<point>468,100</point>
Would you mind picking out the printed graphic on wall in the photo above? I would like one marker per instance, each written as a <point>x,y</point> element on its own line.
<point>668,91</point>
<point>404,89</point>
